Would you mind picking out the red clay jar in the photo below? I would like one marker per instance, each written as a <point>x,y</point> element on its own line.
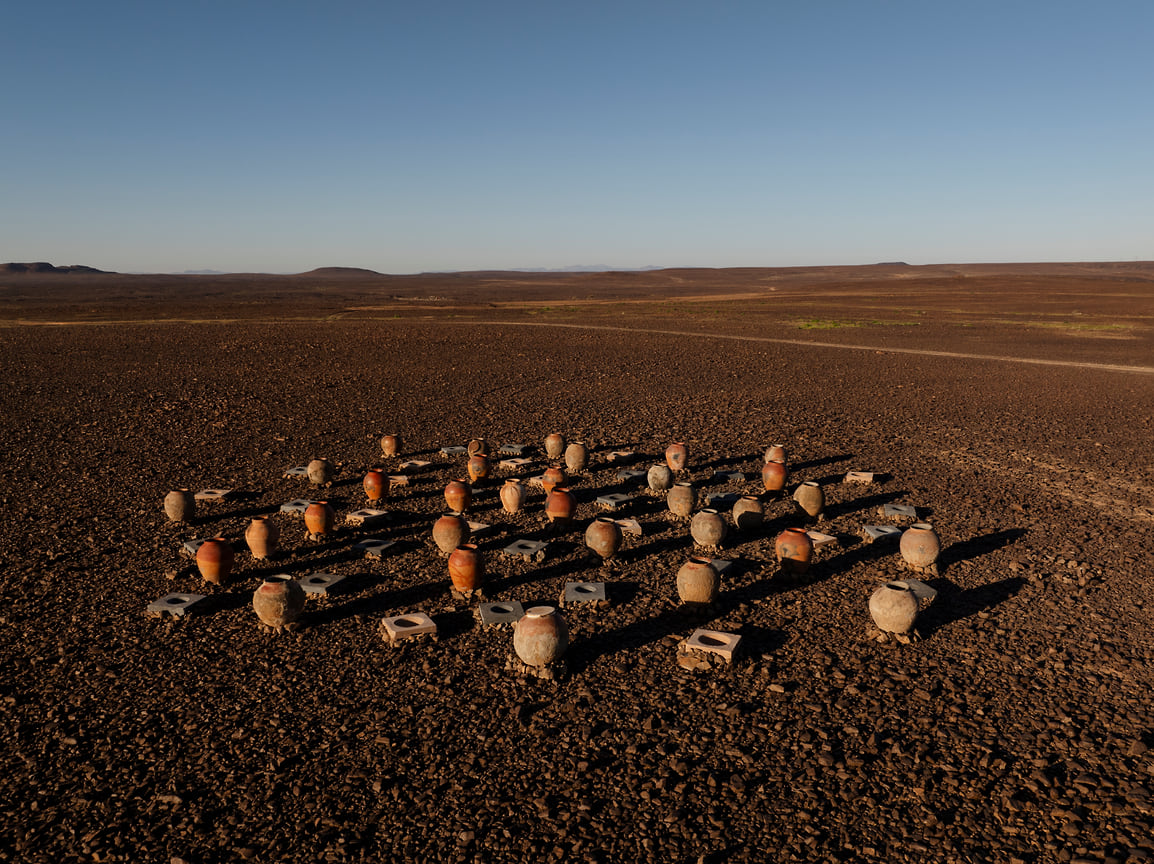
<point>458,495</point>
<point>466,568</point>
<point>278,601</point>
<point>376,485</point>
<point>794,550</point>
<point>774,453</point>
<point>677,456</point>
<point>603,536</point>
<point>774,475</point>
<point>214,560</point>
<point>554,476</point>
<point>261,535</point>
<point>320,518</point>
<point>450,531</point>
<point>560,506</point>
<point>478,467</point>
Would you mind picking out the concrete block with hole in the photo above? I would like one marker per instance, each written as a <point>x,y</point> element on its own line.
<point>177,604</point>
<point>401,627</point>
<point>821,539</point>
<point>629,526</point>
<point>613,501</point>
<point>530,550</point>
<point>513,449</point>
<point>898,511</point>
<point>583,592</point>
<point>366,517</point>
<point>454,450</point>
<point>622,457</point>
<point>874,533</point>
<point>730,476</point>
<point>716,642</point>
<point>296,507</point>
<point>632,475</point>
<point>212,495</point>
<point>514,464</point>
<point>375,547</point>
<point>297,472</point>
<point>412,466</point>
<point>861,478</point>
<point>719,500</point>
<point>319,584</point>
<point>499,614</point>
<point>190,547</point>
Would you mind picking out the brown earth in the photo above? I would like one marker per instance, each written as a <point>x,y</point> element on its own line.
<point>1010,403</point>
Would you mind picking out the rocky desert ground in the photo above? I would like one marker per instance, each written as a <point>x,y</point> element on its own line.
<point>1010,404</point>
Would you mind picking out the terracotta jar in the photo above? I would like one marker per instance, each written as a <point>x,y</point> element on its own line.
<point>376,485</point>
<point>794,550</point>
<point>920,546</point>
<point>180,505</point>
<point>278,601</point>
<point>554,445</point>
<point>478,446</point>
<point>894,608</point>
<point>320,471</point>
<point>576,457</point>
<point>512,496</point>
<point>541,637</point>
<point>603,536</point>
<point>810,498</point>
<point>748,512</point>
<point>450,531</point>
<point>681,500</point>
<point>554,475</point>
<point>660,478</point>
<point>459,495</point>
<point>261,535</point>
<point>560,506</point>
<point>698,581</point>
<point>708,528</point>
<point>466,568</point>
<point>214,560</point>
<point>774,453</point>
<point>677,456</point>
<point>774,475</point>
<point>390,445</point>
<point>478,467</point>
<point>320,518</point>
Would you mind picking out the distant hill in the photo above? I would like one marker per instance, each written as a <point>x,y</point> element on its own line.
<point>45,267</point>
<point>340,271</point>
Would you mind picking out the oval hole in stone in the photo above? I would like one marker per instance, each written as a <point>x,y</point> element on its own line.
<point>176,601</point>
<point>406,622</point>
<point>316,580</point>
<point>585,589</point>
<point>710,640</point>
<point>501,609</point>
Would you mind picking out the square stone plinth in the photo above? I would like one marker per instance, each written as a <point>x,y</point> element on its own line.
<point>530,550</point>
<point>401,627</point>
<point>210,495</point>
<point>189,548</point>
<point>898,511</point>
<point>374,547</point>
<point>397,480</point>
<point>629,526</point>
<point>821,539</point>
<point>298,471</point>
<point>722,566</point>
<point>724,645</point>
<point>925,593</point>
<point>367,517</point>
<point>873,533</point>
<point>297,506</point>
<point>319,584</point>
<point>731,476</point>
<point>622,457</point>
<point>514,449</point>
<point>613,501</point>
<point>583,592</point>
<point>503,614</point>
<point>176,604</point>
<point>412,466</point>
<point>631,475</point>
<point>454,450</point>
<point>514,464</point>
<point>722,499</point>
<point>861,478</point>
<point>479,529</point>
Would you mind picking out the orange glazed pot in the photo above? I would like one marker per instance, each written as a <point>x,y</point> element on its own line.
<point>677,456</point>
<point>376,485</point>
<point>794,550</point>
<point>478,467</point>
<point>214,560</point>
<point>466,568</point>
<point>458,495</point>
<point>541,637</point>
<point>320,518</point>
<point>261,536</point>
<point>774,475</point>
<point>450,531</point>
<point>554,476</point>
<point>560,506</point>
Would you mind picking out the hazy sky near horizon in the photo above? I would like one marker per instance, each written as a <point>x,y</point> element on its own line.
<point>401,137</point>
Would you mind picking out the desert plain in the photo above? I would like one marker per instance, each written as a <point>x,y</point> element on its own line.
<point>1010,404</point>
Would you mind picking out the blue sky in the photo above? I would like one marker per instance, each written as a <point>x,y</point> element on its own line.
<point>282,136</point>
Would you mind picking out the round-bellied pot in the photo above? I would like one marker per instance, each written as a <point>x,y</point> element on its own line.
<point>576,457</point>
<point>512,496</point>
<point>660,478</point>
<point>708,528</point>
<point>560,506</point>
<point>920,546</point>
<point>390,445</point>
<point>677,456</point>
<point>681,500</point>
<point>773,475</point>
<point>554,475</point>
<point>794,550</point>
<point>180,505</point>
<point>698,581</point>
<point>376,484</point>
<point>261,535</point>
<point>450,531</point>
<point>214,560</point>
<point>478,467</point>
<point>810,498</point>
<point>466,568</point>
<point>894,608</point>
<point>748,512</point>
<point>320,471</point>
<point>278,601</point>
<point>478,446</point>
<point>459,495</point>
<point>555,445</point>
<point>320,518</point>
<point>540,637</point>
<point>603,536</point>
<point>774,453</point>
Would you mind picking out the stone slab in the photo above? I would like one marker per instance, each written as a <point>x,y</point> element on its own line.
<point>319,584</point>
<point>898,511</point>
<point>584,592</point>
<point>537,482</point>
<point>722,499</point>
<point>724,645</point>
<point>400,627</point>
<point>374,547</point>
<point>632,474</point>
<point>613,501</point>
<point>629,526</point>
<point>479,529</point>
<point>514,449</point>
<point>297,506</point>
<point>189,548</point>
<point>412,466</point>
<point>367,517</point>
<point>210,495</point>
<point>721,566</point>
<point>528,549</point>
<point>298,471</point>
<point>820,538</point>
<point>454,450</point>
<point>874,533</point>
<point>622,456</point>
<point>514,464</point>
<point>731,476</point>
<point>863,478</point>
<point>925,593</point>
<point>398,480</point>
<point>176,603</point>
<point>502,614</point>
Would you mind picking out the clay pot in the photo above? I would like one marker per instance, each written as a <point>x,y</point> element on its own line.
<point>214,560</point>
<point>576,457</point>
<point>390,445</point>
<point>773,475</point>
<point>560,506</point>
<point>794,550</point>
<point>278,601</point>
<point>466,568</point>
<point>603,536</point>
<point>320,518</point>
<point>320,472</point>
<point>660,478</point>
<point>748,513</point>
<point>681,500</point>
<point>554,476</point>
<point>450,531</point>
<point>180,505</point>
<point>920,546</point>
<point>459,495</point>
<point>774,453</point>
<point>540,637</point>
<point>478,447</point>
<point>698,581</point>
<point>261,535</point>
<point>894,608</point>
<point>677,456</point>
<point>376,485</point>
<point>554,445</point>
<point>512,496</point>
<point>478,467</point>
<point>810,498</point>
<point>708,528</point>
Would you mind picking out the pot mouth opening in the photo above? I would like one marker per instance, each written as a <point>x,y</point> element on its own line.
<point>468,547</point>
<point>277,580</point>
<point>898,586</point>
<point>709,510</point>
<point>749,498</point>
<point>923,526</point>
<point>540,612</point>
<point>685,484</point>
<point>813,483</point>
<point>696,559</point>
